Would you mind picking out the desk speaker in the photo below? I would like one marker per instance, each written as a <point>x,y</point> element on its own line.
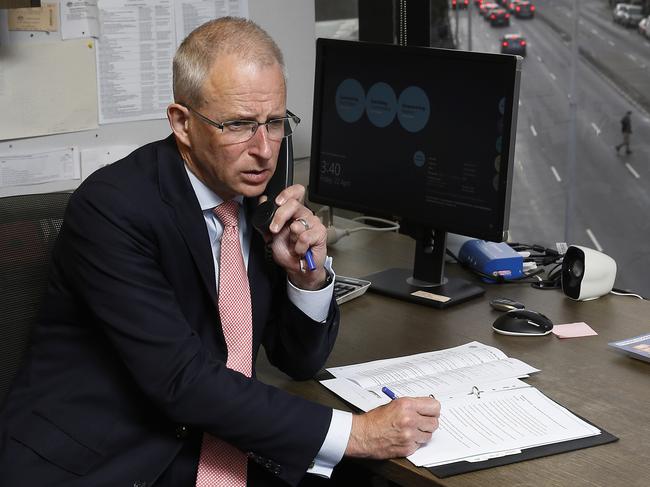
<point>586,273</point>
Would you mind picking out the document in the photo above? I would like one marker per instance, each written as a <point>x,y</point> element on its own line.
<point>38,168</point>
<point>44,18</point>
<point>439,373</point>
<point>486,410</point>
<point>189,14</point>
<point>79,19</point>
<point>134,59</point>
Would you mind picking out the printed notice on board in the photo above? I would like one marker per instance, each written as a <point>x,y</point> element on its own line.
<point>38,168</point>
<point>44,18</point>
<point>189,14</point>
<point>79,19</point>
<point>134,59</point>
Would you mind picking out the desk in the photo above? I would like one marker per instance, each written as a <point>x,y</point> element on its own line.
<point>583,374</point>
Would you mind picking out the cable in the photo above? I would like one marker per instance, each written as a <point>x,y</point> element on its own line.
<point>624,292</point>
<point>335,234</point>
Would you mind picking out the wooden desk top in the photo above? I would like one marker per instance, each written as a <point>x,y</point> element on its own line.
<point>583,374</point>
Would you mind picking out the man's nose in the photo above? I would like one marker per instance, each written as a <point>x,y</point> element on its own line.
<point>262,143</point>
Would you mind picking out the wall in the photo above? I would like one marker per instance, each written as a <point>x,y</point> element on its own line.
<point>290,22</point>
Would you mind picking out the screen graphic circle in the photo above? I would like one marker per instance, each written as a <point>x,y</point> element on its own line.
<point>350,100</point>
<point>381,104</point>
<point>413,109</point>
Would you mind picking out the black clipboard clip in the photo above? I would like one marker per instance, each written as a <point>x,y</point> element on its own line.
<point>475,391</point>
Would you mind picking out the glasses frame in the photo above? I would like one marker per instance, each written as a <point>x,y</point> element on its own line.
<point>253,123</point>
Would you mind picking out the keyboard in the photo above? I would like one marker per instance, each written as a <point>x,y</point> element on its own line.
<point>347,288</point>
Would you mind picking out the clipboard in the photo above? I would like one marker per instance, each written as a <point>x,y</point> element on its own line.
<point>456,468</point>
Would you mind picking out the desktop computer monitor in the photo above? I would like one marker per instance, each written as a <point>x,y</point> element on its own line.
<point>421,135</point>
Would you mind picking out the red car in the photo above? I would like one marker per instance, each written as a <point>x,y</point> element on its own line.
<point>459,4</point>
<point>523,9</point>
<point>499,17</point>
<point>513,44</point>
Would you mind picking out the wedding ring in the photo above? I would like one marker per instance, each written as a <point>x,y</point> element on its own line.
<point>304,223</point>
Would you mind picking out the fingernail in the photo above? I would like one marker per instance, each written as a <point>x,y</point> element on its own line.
<point>279,200</point>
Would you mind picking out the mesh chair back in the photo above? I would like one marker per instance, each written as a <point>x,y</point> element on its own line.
<point>29,225</point>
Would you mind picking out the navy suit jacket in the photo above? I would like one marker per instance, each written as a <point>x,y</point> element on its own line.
<point>127,363</point>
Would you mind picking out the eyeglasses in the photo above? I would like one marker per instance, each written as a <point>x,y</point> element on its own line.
<point>237,131</point>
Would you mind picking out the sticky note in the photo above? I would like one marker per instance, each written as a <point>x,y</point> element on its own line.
<point>573,330</point>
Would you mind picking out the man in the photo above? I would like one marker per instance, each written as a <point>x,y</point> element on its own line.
<point>626,130</point>
<point>141,368</point>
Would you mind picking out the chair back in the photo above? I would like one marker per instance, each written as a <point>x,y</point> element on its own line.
<point>29,226</point>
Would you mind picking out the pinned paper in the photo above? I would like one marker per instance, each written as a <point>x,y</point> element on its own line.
<point>573,330</point>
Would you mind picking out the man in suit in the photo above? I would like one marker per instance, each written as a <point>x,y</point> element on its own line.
<point>141,369</point>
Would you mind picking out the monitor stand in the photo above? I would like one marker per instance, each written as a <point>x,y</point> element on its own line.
<point>425,283</point>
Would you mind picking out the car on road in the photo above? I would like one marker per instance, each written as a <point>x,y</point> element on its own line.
<point>513,44</point>
<point>499,17</point>
<point>523,9</point>
<point>627,14</point>
<point>644,27</point>
<point>459,4</point>
<point>486,7</point>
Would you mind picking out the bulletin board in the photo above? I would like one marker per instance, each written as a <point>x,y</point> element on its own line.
<point>35,59</point>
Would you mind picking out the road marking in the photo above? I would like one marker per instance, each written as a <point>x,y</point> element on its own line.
<point>594,32</point>
<point>568,14</point>
<point>556,174</point>
<point>611,43</point>
<point>552,76</point>
<point>595,127</point>
<point>593,239</point>
<point>633,58</point>
<point>539,58</point>
<point>532,129</point>
<point>631,169</point>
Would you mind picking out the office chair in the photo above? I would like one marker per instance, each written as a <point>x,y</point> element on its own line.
<point>29,225</point>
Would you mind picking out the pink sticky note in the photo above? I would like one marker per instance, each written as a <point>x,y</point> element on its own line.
<point>573,330</point>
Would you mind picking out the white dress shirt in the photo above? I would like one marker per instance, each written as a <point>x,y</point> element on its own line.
<point>314,304</point>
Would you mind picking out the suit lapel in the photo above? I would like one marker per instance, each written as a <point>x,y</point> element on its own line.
<point>176,191</point>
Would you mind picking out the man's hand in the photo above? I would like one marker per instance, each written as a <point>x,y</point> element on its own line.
<point>295,229</point>
<point>397,429</point>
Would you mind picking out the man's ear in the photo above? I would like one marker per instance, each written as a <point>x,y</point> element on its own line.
<point>179,121</point>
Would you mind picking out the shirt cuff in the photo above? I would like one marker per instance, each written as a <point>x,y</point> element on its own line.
<point>334,446</point>
<point>314,304</point>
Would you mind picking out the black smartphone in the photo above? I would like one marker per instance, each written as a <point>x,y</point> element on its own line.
<point>283,177</point>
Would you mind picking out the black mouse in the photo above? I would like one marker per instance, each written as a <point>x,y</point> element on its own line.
<point>523,322</point>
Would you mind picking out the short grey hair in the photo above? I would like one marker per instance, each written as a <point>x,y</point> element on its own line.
<point>201,49</point>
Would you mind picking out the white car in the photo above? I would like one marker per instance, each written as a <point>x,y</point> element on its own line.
<point>644,27</point>
<point>628,15</point>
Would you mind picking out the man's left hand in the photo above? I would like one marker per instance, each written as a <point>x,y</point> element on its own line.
<point>294,229</point>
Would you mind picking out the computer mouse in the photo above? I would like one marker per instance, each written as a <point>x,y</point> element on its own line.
<point>523,322</point>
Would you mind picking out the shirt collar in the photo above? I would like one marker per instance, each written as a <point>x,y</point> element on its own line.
<point>208,199</point>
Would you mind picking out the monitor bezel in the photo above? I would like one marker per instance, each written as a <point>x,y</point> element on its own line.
<point>465,228</point>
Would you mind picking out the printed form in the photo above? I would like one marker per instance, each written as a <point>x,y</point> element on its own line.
<point>486,411</point>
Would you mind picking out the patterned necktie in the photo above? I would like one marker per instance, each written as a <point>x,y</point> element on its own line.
<point>220,463</point>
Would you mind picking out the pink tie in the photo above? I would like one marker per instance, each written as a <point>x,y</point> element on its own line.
<point>220,463</point>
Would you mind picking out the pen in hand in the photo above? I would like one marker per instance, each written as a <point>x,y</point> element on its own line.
<point>389,393</point>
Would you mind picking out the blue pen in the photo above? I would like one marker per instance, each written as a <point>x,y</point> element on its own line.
<point>309,257</point>
<point>389,393</point>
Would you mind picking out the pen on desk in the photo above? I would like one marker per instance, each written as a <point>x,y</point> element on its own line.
<point>389,393</point>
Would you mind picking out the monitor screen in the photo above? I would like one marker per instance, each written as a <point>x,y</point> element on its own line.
<point>421,135</point>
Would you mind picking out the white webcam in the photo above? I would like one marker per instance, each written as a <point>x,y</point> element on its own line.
<point>586,273</point>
